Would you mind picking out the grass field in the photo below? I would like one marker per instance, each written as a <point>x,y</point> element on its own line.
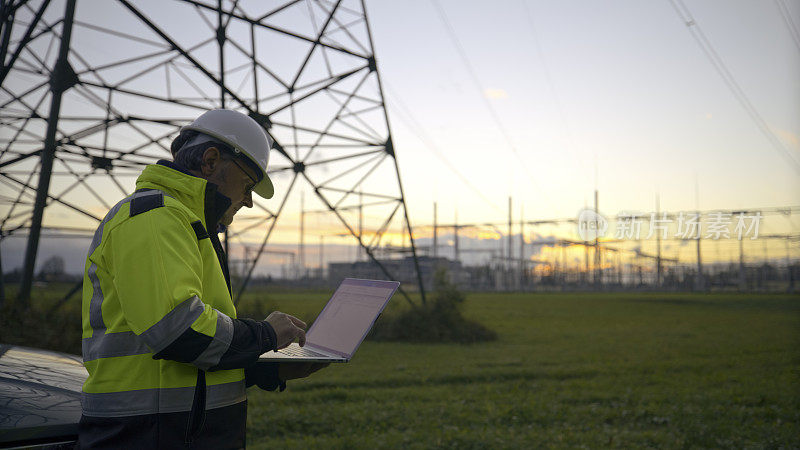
<point>628,370</point>
<point>568,370</point>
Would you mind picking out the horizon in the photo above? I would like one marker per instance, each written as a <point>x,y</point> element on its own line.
<point>670,106</point>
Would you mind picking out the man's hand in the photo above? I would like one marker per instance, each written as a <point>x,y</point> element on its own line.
<point>291,370</point>
<point>287,328</point>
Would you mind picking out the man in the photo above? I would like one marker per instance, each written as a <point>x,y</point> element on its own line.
<point>168,359</point>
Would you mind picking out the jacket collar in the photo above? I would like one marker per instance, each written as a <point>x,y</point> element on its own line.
<point>197,194</point>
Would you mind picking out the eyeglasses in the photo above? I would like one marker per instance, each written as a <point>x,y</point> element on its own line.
<point>250,189</point>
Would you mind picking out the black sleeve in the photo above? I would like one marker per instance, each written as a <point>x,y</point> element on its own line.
<point>250,339</point>
<point>265,375</point>
<point>186,348</point>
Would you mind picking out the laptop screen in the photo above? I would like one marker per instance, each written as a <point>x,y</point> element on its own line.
<point>349,314</point>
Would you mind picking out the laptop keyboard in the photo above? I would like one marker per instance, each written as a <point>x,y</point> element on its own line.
<point>301,351</point>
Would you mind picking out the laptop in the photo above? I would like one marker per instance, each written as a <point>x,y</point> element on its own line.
<point>342,325</point>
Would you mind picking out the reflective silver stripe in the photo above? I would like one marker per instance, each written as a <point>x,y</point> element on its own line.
<point>153,401</point>
<point>173,324</point>
<point>96,303</point>
<point>109,345</point>
<point>219,345</point>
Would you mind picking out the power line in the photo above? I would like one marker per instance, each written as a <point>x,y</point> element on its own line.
<point>408,119</point>
<point>548,76</point>
<point>492,112</point>
<point>716,61</point>
<point>787,18</point>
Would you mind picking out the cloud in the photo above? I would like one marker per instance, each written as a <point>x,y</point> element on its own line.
<point>787,137</point>
<point>494,93</point>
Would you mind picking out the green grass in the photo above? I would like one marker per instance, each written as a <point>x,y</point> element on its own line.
<point>568,370</point>
<point>627,370</point>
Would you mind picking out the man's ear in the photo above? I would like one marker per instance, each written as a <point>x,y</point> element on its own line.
<point>211,159</point>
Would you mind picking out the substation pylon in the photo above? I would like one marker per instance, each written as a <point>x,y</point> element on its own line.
<point>91,92</point>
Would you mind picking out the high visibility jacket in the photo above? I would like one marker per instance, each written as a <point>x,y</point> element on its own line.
<point>158,321</point>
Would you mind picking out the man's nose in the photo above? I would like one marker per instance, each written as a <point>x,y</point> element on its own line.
<point>248,199</point>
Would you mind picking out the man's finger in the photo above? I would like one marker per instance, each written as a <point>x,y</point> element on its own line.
<point>301,337</point>
<point>297,321</point>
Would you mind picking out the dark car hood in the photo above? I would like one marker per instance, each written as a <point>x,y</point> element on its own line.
<point>40,393</point>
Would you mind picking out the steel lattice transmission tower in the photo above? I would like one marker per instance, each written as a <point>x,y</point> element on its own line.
<point>93,91</point>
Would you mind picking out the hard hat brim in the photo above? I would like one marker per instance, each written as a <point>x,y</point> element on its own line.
<point>264,188</point>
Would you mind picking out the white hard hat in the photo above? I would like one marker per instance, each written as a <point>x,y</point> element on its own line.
<point>242,134</point>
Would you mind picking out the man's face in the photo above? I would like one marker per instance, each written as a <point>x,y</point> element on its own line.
<point>234,180</point>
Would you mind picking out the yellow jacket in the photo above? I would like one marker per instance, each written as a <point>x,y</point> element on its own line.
<point>157,312</point>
